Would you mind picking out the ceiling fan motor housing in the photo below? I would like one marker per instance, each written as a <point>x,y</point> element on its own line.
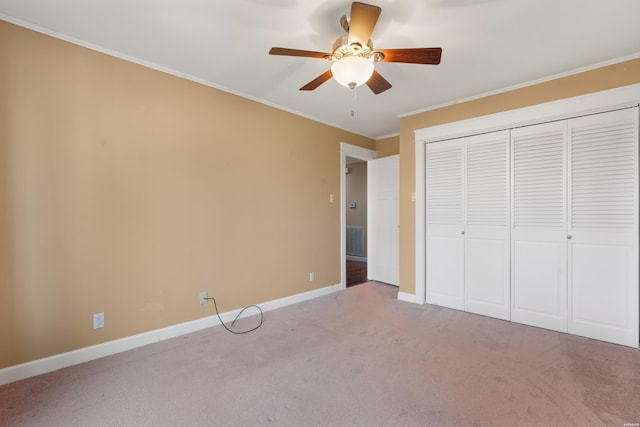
<point>342,48</point>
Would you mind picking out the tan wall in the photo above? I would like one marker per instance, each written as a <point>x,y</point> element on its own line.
<point>356,191</point>
<point>622,74</point>
<point>388,146</point>
<point>127,191</point>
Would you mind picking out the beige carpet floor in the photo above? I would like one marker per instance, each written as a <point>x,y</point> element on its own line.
<point>358,357</point>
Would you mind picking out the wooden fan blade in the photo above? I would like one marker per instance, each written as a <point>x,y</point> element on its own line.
<point>377,83</point>
<point>318,81</point>
<point>297,52</point>
<point>425,55</point>
<point>362,21</point>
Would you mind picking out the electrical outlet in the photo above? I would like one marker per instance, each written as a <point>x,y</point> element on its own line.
<point>312,276</point>
<point>203,297</point>
<point>98,320</point>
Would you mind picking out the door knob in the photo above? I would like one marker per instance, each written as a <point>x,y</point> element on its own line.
<point>462,232</point>
<point>569,236</point>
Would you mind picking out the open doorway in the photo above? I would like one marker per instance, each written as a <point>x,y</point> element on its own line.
<point>349,156</point>
<point>356,220</point>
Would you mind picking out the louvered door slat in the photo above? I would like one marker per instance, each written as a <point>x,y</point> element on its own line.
<point>486,183</point>
<point>444,185</point>
<point>602,160</point>
<point>538,171</point>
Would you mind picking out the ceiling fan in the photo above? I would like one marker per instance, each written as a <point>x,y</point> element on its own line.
<point>353,55</point>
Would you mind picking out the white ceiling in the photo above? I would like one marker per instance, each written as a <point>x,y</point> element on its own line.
<point>488,45</point>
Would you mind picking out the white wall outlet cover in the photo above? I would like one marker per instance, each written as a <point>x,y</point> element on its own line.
<point>203,297</point>
<point>98,320</point>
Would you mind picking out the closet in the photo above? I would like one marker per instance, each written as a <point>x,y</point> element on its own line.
<point>538,224</point>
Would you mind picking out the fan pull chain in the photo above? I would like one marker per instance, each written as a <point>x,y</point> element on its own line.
<point>353,101</point>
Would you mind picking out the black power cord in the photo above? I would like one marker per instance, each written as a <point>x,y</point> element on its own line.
<point>236,318</point>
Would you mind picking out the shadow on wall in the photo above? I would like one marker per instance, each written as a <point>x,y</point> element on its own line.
<point>7,297</point>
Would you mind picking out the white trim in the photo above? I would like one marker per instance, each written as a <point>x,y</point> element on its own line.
<point>157,67</point>
<point>596,102</point>
<point>421,230</point>
<point>358,153</point>
<point>391,135</point>
<point>403,296</point>
<point>525,84</point>
<point>63,360</point>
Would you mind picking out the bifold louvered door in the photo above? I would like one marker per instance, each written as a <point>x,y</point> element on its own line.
<point>467,224</point>
<point>574,256</point>
<point>567,237</point>
<point>538,234</point>
<point>487,224</point>
<point>603,226</point>
<point>445,224</point>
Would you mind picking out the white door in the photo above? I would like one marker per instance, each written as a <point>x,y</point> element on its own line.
<point>383,220</point>
<point>603,227</point>
<point>487,280</point>
<point>539,234</point>
<point>445,224</point>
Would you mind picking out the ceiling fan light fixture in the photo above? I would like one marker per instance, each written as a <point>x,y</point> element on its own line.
<point>353,56</point>
<point>352,71</point>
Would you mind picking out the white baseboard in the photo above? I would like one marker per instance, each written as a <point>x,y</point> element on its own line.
<point>63,360</point>
<point>403,296</point>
